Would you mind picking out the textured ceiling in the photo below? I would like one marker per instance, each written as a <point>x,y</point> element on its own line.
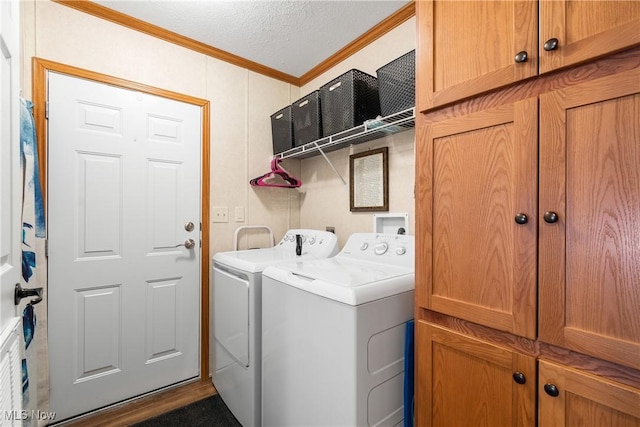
<point>291,36</point>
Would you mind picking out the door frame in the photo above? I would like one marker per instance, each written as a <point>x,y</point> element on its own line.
<point>39,86</point>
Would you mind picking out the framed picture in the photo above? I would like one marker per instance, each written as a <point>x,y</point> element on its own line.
<point>369,181</point>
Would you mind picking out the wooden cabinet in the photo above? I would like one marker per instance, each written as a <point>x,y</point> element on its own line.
<point>585,30</point>
<point>478,252</point>
<point>589,257</point>
<point>466,48</point>
<point>472,382</point>
<point>528,214</point>
<point>570,397</point>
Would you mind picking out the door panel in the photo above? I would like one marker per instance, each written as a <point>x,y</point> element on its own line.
<point>468,381</point>
<point>481,263</point>
<point>99,225</point>
<point>590,176</point>
<point>586,30</point>
<point>465,59</point>
<point>99,332</point>
<point>124,178</point>
<point>585,399</point>
<point>10,177</point>
<point>163,205</point>
<point>163,322</point>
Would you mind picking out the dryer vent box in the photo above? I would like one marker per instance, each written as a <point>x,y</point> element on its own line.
<point>392,223</point>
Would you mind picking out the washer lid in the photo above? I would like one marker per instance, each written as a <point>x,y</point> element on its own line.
<point>344,280</point>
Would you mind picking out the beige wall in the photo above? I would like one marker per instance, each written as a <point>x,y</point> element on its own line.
<point>324,198</point>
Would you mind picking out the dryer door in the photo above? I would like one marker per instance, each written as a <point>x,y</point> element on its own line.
<point>231,316</point>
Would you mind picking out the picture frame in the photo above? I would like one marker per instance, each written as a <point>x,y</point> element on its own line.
<point>369,181</point>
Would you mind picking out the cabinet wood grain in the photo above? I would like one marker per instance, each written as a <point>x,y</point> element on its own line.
<point>483,261</point>
<point>590,176</point>
<point>458,56</point>
<point>586,30</point>
<point>464,372</point>
<point>584,399</point>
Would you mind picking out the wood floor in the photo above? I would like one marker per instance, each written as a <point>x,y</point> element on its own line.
<point>147,407</point>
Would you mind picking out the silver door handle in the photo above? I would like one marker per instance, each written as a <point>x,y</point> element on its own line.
<point>189,243</point>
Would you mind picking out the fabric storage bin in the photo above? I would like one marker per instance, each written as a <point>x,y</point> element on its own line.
<point>348,101</point>
<point>397,84</point>
<point>282,130</point>
<point>307,119</point>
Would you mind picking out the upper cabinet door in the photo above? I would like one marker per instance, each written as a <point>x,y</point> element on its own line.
<point>589,234</point>
<point>470,47</point>
<point>476,183</point>
<point>573,31</point>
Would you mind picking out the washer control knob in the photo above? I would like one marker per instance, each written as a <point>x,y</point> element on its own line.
<point>364,246</point>
<point>401,251</point>
<point>312,240</point>
<point>381,248</point>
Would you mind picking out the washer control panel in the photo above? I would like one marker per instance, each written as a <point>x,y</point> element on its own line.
<point>386,248</point>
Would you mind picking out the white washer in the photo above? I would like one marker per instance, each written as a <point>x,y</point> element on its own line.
<point>237,278</point>
<point>333,335</point>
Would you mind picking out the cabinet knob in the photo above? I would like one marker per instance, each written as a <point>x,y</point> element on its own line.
<point>550,217</point>
<point>522,56</point>
<point>551,390</point>
<point>551,44</point>
<point>521,218</point>
<point>519,377</point>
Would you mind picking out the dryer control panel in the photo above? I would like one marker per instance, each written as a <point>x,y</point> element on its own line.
<point>321,244</point>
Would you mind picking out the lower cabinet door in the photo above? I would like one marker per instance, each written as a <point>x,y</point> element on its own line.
<point>463,381</point>
<point>569,397</point>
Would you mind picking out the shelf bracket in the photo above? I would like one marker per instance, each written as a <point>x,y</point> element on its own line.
<point>329,161</point>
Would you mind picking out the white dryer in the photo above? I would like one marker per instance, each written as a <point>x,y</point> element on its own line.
<point>333,335</point>
<point>237,278</point>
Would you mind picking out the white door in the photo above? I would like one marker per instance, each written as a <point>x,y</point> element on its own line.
<point>123,182</point>
<point>10,207</point>
<point>10,179</point>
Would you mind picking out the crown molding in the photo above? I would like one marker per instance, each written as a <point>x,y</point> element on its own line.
<point>97,10</point>
<point>400,16</point>
<point>111,15</point>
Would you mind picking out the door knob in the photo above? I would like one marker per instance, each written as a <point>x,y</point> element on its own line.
<point>551,44</point>
<point>522,56</point>
<point>521,218</point>
<point>189,243</point>
<point>21,292</point>
<point>550,217</point>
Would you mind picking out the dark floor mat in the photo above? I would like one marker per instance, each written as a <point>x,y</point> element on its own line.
<point>209,412</point>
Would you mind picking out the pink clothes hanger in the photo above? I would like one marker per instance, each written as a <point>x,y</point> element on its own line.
<point>277,171</point>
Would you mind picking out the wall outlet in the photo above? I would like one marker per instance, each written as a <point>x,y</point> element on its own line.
<point>220,214</point>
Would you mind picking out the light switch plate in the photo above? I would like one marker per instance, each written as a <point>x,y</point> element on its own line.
<point>239,214</point>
